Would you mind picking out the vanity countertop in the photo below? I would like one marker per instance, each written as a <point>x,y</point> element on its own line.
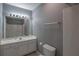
<point>17,39</point>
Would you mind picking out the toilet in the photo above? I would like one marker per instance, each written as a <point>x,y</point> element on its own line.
<point>48,50</point>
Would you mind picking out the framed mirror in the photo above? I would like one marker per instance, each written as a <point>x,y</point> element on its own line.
<point>16,26</point>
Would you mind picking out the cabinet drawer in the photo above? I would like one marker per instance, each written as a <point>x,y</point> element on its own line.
<point>14,45</point>
<point>32,41</point>
<point>23,43</point>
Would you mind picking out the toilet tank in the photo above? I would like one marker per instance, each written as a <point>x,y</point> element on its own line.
<point>48,50</point>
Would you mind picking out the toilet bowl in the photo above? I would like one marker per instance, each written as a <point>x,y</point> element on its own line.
<point>48,50</point>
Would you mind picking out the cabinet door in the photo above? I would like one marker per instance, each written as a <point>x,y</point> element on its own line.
<point>10,50</point>
<point>32,45</point>
<point>23,48</point>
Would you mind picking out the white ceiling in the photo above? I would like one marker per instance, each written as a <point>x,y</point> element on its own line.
<point>32,6</point>
<point>29,6</point>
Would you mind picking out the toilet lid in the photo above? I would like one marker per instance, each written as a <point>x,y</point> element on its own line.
<point>49,47</point>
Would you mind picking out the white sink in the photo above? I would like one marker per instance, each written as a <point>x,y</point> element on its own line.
<point>17,39</point>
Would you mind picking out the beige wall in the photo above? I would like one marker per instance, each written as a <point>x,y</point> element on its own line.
<point>71,31</point>
<point>49,34</point>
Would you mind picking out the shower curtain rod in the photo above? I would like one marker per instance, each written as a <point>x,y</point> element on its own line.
<point>52,23</point>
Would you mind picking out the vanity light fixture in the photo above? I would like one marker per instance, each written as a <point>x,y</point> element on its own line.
<point>16,15</point>
<point>10,14</point>
<point>13,14</point>
<point>19,16</point>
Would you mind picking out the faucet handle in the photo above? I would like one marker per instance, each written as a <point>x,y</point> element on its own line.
<point>20,38</point>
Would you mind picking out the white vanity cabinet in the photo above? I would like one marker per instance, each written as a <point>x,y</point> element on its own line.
<point>32,45</point>
<point>23,48</point>
<point>9,50</point>
<point>27,47</point>
<point>19,48</point>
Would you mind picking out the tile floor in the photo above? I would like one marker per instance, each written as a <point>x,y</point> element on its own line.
<point>37,53</point>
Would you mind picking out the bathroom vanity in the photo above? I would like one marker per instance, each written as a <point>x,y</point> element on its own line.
<point>16,31</point>
<point>17,39</point>
<point>18,46</point>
